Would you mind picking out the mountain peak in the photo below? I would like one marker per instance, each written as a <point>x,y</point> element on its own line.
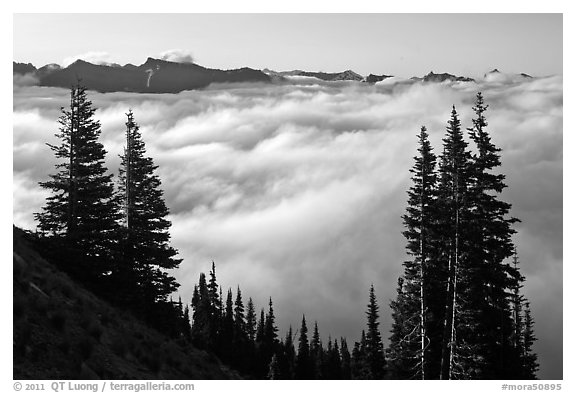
<point>432,77</point>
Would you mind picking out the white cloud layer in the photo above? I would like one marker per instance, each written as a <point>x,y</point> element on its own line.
<point>296,191</point>
<point>177,55</point>
<point>101,58</point>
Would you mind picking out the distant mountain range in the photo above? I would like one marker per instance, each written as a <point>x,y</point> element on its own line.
<point>154,76</point>
<point>161,76</point>
<point>347,75</point>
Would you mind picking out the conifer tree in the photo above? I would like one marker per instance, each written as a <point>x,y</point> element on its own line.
<point>332,361</point>
<point>216,310</point>
<point>251,321</point>
<point>186,323</point>
<point>201,320</point>
<point>346,359</point>
<point>303,364</point>
<point>374,347</point>
<point>262,358</point>
<point>261,327</point>
<point>80,213</point>
<point>145,244</point>
<point>239,320</point>
<point>529,359</point>
<point>409,342</point>
<point>289,356</point>
<point>316,353</point>
<point>215,299</point>
<point>270,329</point>
<point>250,355</point>
<point>454,171</point>
<point>490,245</point>
<point>359,364</point>
<point>228,327</point>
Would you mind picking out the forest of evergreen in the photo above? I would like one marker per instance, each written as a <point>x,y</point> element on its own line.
<point>459,312</point>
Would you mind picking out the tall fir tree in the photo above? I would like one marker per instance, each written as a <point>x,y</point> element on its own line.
<point>215,299</point>
<point>239,319</point>
<point>454,172</point>
<point>303,363</point>
<point>227,335</point>
<point>374,347</point>
<point>261,361</point>
<point>270,329</point>
<point>260,329</point>
<point>346,359</point>
<point>81,212</point>
<point>359,363</point>
<point>332,361</point>
<point>316,353</point>
<point>409,342</point>
<point>145,245</point>
<point>288,364</point>
<point>490,231</point>
<point>201,321</point>
<point>251,321</point>
<point>529,358</point>
<point>216,314</point>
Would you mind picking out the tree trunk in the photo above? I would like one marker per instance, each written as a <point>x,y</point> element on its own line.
<point>422,307</point>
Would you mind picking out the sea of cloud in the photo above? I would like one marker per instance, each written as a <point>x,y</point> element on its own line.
<point>296,190</point>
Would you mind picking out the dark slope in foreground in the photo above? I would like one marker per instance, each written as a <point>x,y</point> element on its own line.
<point>63,331</point>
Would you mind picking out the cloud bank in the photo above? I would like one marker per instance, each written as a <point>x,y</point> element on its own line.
<point>177,56</point>
<point>296,191</point>
<point>100,58</point>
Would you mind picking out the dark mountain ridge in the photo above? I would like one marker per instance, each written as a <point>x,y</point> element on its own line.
<point>162,76</point>
<point>439,78</point>
<point>153,76</point>
<point>377,78</point>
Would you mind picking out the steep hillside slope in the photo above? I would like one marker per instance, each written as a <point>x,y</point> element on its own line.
<point>63,331</point>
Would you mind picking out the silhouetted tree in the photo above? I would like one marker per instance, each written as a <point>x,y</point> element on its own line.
<point>529,359</point>
<point>227,328</point>
<point>251,321</point>
<point>316,354</point>
<point>287,356</point>
<point>409,340</point>
<point>359,364</point>
<point>240,339</point>
<point>270,329</point>
<point>80,214</point>
<point>374,347</point>
<point>145,242</point>
<point>346,359</point>
<point>490,277</point>
<point>332,361</point>
<point>303,363</point>
<point>201,319</point>
<point>454,171</point>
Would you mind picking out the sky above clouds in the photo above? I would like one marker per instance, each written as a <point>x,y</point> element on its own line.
<point>296,191</point>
